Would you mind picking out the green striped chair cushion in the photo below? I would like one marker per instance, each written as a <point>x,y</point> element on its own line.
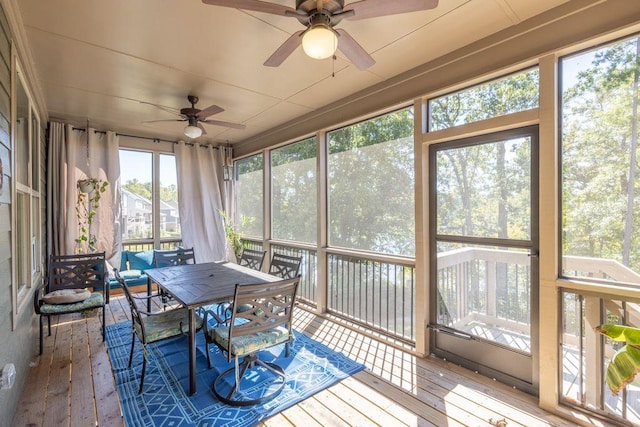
<point>247,344</point>
<point>166,324</point>
<point>96,300</point>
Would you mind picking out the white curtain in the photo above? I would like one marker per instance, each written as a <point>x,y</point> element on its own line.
<point>76,154</point>
<point>201,197</point>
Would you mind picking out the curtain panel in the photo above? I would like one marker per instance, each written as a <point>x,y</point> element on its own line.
<point>202,194</point>
<point>75,154</point>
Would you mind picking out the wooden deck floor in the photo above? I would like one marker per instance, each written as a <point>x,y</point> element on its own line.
<point>71,384</point>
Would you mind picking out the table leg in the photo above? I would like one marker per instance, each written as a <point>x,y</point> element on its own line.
<point>192,352</point>
<point>149,291</point>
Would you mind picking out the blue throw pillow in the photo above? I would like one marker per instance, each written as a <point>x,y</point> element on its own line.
<point>142,260</point>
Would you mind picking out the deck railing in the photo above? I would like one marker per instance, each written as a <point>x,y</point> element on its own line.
<point>370,290</point>
<point>482,284</point>
<point>585,354</point>
<point>147,244</point>
<point>489,285</point>
<point>375,291</point>
<point>308,267</point>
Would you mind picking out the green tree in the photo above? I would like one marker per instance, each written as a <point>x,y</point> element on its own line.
<point>139,188</point>
<point>599,155</point>
<point>371,185</point>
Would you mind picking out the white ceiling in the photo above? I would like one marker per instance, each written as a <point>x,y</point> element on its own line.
<point>100,61</point>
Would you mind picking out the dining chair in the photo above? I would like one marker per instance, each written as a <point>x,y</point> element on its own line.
<point>285,266</point>
<point>267,324</point>
<point>66,288</point>
<point>150,327</point>
<point>169,258</point>
<point>252,258</point>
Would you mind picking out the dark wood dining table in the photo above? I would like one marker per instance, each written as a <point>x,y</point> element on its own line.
<point>197,285</point>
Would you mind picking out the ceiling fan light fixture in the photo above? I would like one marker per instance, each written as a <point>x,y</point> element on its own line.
<point>192,131</point>
<point>320,42</point>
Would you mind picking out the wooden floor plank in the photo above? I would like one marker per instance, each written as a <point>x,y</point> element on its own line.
<point>299,417</point>
<point>57,398</point>
<point>397,388</point>
<point>108,412</point>
<point>31,409</point>
<point>82,397</point>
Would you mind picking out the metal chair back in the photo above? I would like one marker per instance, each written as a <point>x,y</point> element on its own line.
<point>167,258</point>
<point>285,266</point>
<point>252,258</point>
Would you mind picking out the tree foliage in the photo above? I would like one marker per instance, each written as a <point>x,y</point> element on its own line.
<point>371,185</point>
<point>599,138</point>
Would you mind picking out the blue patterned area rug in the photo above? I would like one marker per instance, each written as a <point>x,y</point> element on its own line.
<point>164,401</point>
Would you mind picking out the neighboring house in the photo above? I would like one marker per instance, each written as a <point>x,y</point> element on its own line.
<point>136,216</point>
<point>169,217</point>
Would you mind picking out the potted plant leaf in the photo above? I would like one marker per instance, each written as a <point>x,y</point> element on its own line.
<point>233,237</point>
<point>625,363</point>
<point>90,192</point>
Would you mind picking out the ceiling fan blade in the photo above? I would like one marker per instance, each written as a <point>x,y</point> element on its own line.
<point>204,131</point>
<point>255,5</point>
<point>209,111</point>
<point>285,50</point>
<point>224,124</point>
<point>165,120</point>
<point>353,50</point>
<point>373,8</point>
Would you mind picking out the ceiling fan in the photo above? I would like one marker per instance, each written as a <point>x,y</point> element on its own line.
<point>195,117</point>
<point>320,39</point>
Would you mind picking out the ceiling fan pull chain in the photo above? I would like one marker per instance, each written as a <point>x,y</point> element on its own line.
<point>333,65</point>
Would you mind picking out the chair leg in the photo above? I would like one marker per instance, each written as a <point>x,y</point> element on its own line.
<point>206,346</point>
<point>133,343</point>
<point>49,322</point>
<point>104,323</point>
<point>144,368</point>
<point>247,363</point>
<point>41,334</point>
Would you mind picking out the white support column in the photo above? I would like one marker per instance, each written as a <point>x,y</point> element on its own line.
<point>266,205</point>
<point>421,162</point>
<point>549,244</point>
<point>322,277</point>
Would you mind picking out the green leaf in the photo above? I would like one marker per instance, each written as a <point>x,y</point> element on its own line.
<point>623,368</point>
<point>621,333</point>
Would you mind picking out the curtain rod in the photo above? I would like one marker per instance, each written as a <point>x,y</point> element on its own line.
<point>156,140</point>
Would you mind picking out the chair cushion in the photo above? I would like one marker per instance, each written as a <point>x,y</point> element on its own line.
<point>66,296</point>
<point>247,344</point>
<point>142,260</point>
<point>94,301</point>
<point>166,324</point>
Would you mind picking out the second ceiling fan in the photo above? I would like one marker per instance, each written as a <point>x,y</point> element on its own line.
<point>320,39</point>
